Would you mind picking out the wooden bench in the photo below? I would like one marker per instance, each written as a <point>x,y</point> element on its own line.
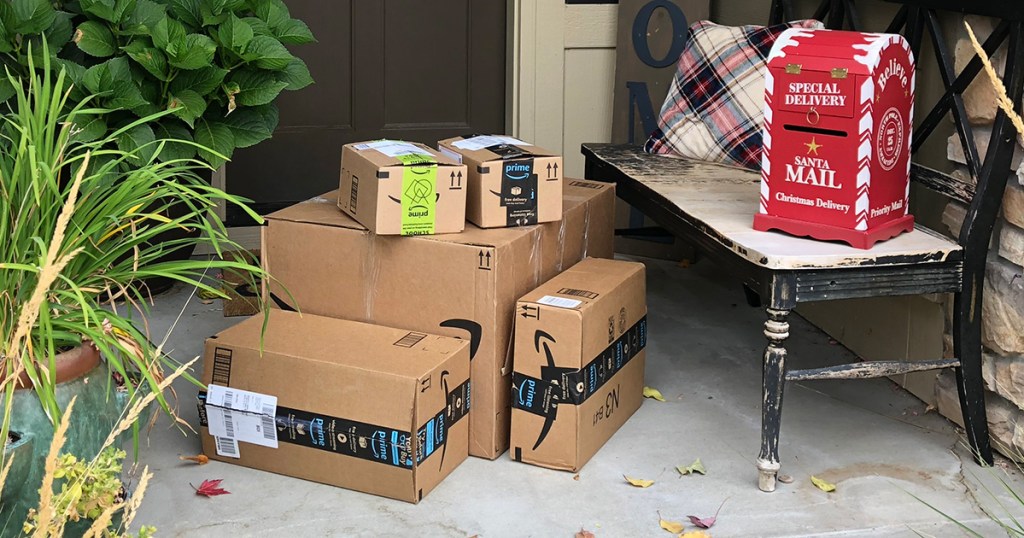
<point>712,206</point>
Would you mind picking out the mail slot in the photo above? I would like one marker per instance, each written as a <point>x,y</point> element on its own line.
<point>837,126</point>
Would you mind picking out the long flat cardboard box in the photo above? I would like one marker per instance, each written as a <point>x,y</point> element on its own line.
<point>365,407</point>
<point>463,285</point>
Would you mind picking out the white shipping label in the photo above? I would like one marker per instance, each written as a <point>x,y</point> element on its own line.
<point>393,148</point>
<point>227,447</point>
<point>483,141</point>
<point>457,157</point>
<point>241,415</point>
<point>560,302</point>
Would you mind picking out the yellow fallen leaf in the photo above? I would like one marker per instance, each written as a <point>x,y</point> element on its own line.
<point>674,527</point>
<point>822,485</point>
<point>695,534</point>
<point>653,393</point>
<point>695,467</point>
<point>639,482</point>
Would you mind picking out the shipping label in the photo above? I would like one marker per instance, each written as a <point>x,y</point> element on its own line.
<point>241,415</point>
<point>419,194</point>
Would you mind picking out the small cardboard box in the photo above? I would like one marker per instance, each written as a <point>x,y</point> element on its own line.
<point>579,362</point>
<point>402,188</point>
<point>359,406</point>
<point>510,183</point>
<point>464,285</point>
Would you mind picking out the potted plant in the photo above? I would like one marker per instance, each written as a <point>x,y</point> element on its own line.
<point>72,249</point>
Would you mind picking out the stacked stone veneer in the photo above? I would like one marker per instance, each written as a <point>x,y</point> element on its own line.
<point>1003,306</point>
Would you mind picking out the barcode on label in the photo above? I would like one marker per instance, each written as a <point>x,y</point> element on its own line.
<point>229,423</point>
<point>578,293</point>
<point>560,302</point>
<point>227,447</point>
<point>410,339</point>
<point>269,428</point>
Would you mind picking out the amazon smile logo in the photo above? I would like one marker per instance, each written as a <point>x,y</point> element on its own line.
<point>517,171</point>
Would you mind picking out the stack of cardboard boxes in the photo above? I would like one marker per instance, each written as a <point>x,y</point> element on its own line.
<point>407,318</point>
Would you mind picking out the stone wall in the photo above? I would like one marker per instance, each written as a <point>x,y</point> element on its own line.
<point>1003,306</point>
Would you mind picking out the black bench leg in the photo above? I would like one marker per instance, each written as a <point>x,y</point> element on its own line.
<point>773,380</point>
<point>969,382</point>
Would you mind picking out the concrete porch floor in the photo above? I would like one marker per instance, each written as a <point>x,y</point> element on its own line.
<point>870,438</point>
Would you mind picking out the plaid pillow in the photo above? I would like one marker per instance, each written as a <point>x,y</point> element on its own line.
<point>715,107</point>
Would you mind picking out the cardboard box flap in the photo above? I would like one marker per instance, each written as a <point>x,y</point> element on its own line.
<point>321,210</point>
<point>384,153</point>
<point>483,148</point>
<point>408,354</point>
<point>601,275</point>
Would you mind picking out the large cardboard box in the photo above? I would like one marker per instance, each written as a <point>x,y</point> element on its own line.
<point>402,188</point>
<point>360,406</point>
<point>579,362</point>
<point>464,285</point>
<point>510,183</point>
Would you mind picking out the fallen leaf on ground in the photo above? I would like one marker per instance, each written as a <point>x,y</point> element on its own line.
<point>639,482</point>
<point>210,488</point>
<point>201,459</point>
<point>822,485</point>
<point>930,408</point>
<point>576,476</point>
<point>585,534</point>
<point>695,534</point>
<point>207,295</point>
<point>695,467</point>
<point>653,393</point>
<point>706,522</point>
<point>786,479</point>
<point>674,527</point>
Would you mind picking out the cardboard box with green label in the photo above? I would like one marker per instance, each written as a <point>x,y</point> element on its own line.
<point>510,182</point>
<point>402,188</point>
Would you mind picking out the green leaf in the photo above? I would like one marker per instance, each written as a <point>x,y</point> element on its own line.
<point>296,74</point>
<point>97,78</point>
<point>273,12</point>
<point>252,125</point>
<point>32,16</point>
<point>103,9</point>
<point>95,39</point>
<point>138,140</point>
<point>126,94</point>
<point>695,467</point>
<point>166,32</point>
<point>150,58</point>
<point>188,106</point>
<point>123,9</point>
<point>191,52</point>
<point>120,69</point>
<point>212,13</point>
<point>217,137</point>
<point>235,34</point>
<point>202,81</point>
<point>258,26</point>
<point>6,22</point>
<point>187,11</point>
<point>6,89</point>
<point>59,32</point>
<point>144,18</point>
<point>256,87</point>
<point>267,53</point>
<point>89,127</point>
<point>74,70</point>
<point>174,130</point>
<point>294,32</point>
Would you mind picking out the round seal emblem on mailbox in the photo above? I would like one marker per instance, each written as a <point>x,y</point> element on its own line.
<point>889,140</point>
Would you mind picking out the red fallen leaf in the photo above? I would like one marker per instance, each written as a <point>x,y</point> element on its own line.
<point>584,533</point>
<point>707,522</point>
<point>210,488</point>
<point>201,459</point>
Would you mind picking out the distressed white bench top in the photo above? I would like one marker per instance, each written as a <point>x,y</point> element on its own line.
<point>722,201</point>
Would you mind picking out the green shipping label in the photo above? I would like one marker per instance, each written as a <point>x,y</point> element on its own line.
<point>419,194</point>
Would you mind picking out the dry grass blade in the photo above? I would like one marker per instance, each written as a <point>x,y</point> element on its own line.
<point>46,504</point>
<point>136,409</point>
<point>1001,98</point>
<point>133,505</point>
<point>99,526</point>
<point>7,469</point>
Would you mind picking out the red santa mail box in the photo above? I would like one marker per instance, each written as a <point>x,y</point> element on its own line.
<point>836,160</point>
